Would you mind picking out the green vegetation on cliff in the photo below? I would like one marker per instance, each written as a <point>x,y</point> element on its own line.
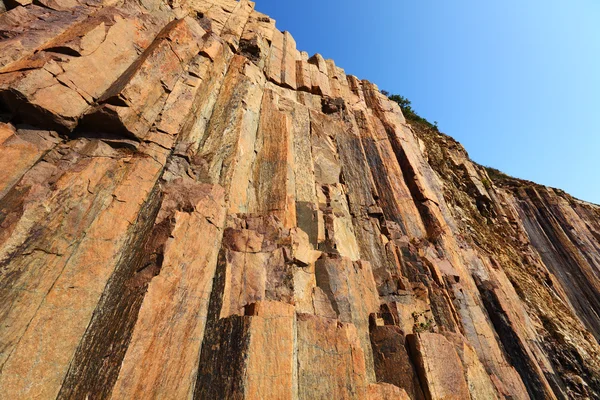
<point>409,113</point>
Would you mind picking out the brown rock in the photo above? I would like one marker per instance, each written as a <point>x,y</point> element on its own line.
<point>271,375</point>
<point>233,29</point>
<point>273,69</point>
<point>391,361</point>
<point>243,240</point>
<point>254,42</point>
<point>256,354</point>
<point>227,151</point>
<point>303,76</point>
<point>29,28</point>
<point>131,105</point>
<point>319,62</point>
<point>479,382</point>
<point>98,215</point>
<point>162,358</point>
<point>21,149</point>
<point>74,73</point>
<point>288,65</point>
<point>356,87</point>
<point>192,207</point>
<point>385,391</point>
<point>319,81</point>
<point>330,360</point>
<point>439,367</point>
<point>274,191</point>
<point>351,290</point>
<point>302,251</point>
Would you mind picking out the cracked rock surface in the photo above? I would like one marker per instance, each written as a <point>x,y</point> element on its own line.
<point>192,208</point>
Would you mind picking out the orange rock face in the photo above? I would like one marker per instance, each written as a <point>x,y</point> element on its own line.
<point>191,207</point>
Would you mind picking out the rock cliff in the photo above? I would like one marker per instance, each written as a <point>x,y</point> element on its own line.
<point>190,207</point>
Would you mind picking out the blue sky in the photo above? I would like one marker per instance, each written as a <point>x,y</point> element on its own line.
<point>516,82</point>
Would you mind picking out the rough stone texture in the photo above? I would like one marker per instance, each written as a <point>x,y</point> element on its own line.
<point>385,391</point>
<point>259,349</point>
<point>166,341</point>
<point>391,360</point>
<point>331,363</point>
<point>439,367</point>
<point>191,207</point>
<point>21,149</point>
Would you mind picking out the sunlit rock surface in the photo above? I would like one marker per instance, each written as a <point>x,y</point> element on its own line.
<point>191,207</point>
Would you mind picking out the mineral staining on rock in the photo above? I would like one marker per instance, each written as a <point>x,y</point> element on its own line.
<point>190,207</point>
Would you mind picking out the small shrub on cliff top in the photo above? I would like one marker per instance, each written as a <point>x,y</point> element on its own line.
<point>486,183</point>
<point>409,113</point>
<point>496,174</point>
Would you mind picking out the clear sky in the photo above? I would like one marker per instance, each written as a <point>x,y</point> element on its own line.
<point>516,82</point>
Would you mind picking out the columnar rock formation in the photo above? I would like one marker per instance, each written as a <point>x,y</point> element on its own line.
<point>193,208</point>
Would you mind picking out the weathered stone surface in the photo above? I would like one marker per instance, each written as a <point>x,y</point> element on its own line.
<point>28,28</point>
<point>391,360</point>
<point>133,102</point>
<point>255,353</point>
<point>191,207</point>
<point>274,165</point>
<point>58,280</point>
<point>479,382</point>
<point>396,199</point>
<point>226,150</point>
<point>288,65</point>
<point>319,81</point>
<point>271,375</point>
<point>56,86</point>
<point>324,149</point>
<point>439,367</point>
<point>273,69</point>
<point>233,29</point>
<point>256,38</point>
<point>338,80</point>
<point>545,216</point>
<point>303,76</point>
<point>331,363</point>
<point>350,288</point>
<point>216,12</point>
<point>212,72</point>
<point>162,358</point>
<point>356,87</point>
<point>384,391</point>
<point>21,149</point>
<point>258,263</point>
